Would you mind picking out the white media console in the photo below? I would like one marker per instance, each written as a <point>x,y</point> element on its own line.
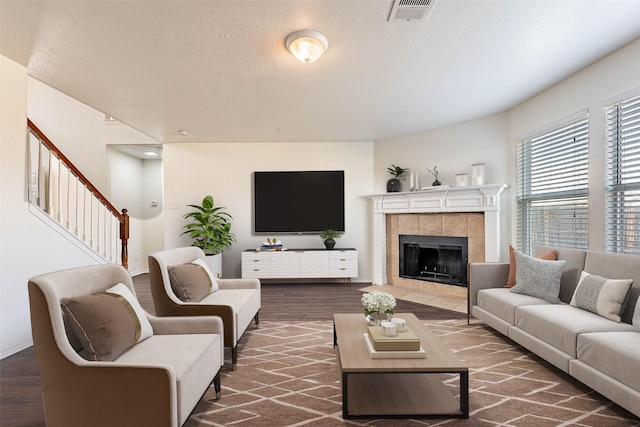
<point>300,264</point>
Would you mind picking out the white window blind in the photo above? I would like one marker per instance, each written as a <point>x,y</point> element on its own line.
<point>553,187</point>
<point>623,177</point>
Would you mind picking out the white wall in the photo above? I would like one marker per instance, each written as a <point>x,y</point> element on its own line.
<point>224,170</point>
<point>152,190</point>
<point>133,184</point>
<point>125,189</point>
<point>453,149</point>
<point>125,181</point>
<point>28,247</point>
<point>589,89</point>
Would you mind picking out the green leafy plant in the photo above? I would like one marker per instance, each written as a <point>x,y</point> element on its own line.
<point>330,234</point>
<point>210,228</point>
<point>434,172</point>
<point>396,171</point>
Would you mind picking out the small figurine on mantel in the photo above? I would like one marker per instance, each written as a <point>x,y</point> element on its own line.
<point>435,173</point>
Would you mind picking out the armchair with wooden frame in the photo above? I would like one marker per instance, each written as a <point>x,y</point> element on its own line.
<point>237,301</point>
<point>157,381</point>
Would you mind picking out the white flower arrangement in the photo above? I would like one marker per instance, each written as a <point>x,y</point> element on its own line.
<point>378,302</point>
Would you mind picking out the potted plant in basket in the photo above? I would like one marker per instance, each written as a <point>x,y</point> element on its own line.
<point>210,230</point>
<point>328,236</point>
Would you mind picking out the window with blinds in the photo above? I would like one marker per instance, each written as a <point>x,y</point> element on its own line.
<point>553,186</point>
<point>623,177</point>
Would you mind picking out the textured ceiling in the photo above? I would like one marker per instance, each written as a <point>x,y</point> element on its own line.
<point>220,69</point>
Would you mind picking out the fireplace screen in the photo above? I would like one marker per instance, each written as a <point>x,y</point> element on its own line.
<point>434,258</point>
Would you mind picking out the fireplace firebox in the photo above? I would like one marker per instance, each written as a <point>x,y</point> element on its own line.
<point>440,259</point>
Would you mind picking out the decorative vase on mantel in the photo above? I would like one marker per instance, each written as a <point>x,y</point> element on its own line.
<point>435,172</point>
<point>394,185</point>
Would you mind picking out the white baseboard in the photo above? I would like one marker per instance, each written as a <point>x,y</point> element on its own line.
<point>16,348</point>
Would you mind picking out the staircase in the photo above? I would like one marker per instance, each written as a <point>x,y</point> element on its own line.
<point>63,197</point>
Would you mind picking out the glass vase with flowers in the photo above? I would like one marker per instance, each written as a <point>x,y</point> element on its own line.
<point>378,306</point>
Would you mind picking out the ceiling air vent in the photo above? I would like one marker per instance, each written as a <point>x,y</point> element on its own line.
<point>411,10</point>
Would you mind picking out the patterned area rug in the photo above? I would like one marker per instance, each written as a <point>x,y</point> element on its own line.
<point>287,376</point>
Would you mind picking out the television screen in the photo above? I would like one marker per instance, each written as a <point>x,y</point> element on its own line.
<point>298,202</point>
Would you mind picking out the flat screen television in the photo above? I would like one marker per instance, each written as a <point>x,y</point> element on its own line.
<point>298,201</point>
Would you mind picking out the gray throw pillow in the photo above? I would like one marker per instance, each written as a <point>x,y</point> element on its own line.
<point>538,278</point>
<point>636,316</point>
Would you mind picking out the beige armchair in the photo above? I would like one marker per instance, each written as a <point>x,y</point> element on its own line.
<point>155,382</point>
<point>237,301</point>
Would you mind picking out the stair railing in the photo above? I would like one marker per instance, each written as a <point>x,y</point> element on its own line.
<point>59,189</point>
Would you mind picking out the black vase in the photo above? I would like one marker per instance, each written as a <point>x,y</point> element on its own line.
<point>436,183</point>
<point>329,243</point>
<point>394,185</point>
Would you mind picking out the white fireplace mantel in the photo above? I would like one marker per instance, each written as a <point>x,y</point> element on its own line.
<point>482,198</point>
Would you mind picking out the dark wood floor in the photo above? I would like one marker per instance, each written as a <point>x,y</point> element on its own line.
<point>20,399</point>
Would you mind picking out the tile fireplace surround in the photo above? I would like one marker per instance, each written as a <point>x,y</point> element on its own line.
<point>472,212</point>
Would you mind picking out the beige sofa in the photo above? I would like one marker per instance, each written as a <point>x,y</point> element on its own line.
<point>156,382</point>
<point>237,301</point>
<point>601,353</point>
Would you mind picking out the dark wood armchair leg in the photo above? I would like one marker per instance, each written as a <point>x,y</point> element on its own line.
<point>216,385</point>
<point>257,319</point>
<point>234,357</point>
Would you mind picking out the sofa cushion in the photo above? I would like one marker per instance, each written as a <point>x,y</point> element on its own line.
<point>191,281</point>
<point>560,324</point>
<point>600,295</point>
<point>502,303</point>
<point>636,316</point>
<point>552,255</point>
<point>107,323</point>
<point>538,278</point>
<point>613,353</point>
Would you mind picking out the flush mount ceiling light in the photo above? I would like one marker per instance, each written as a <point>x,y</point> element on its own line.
<point>307,45</point>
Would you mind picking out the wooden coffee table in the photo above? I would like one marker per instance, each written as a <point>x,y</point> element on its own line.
<point>397,388</point>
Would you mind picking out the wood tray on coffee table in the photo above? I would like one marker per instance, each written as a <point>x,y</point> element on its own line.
<point>397,388</point>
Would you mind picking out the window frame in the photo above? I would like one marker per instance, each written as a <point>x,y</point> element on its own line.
<point>622,187</point>
<point>552,182</point>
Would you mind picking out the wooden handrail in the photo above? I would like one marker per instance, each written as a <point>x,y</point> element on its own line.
<point>122,217</point>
